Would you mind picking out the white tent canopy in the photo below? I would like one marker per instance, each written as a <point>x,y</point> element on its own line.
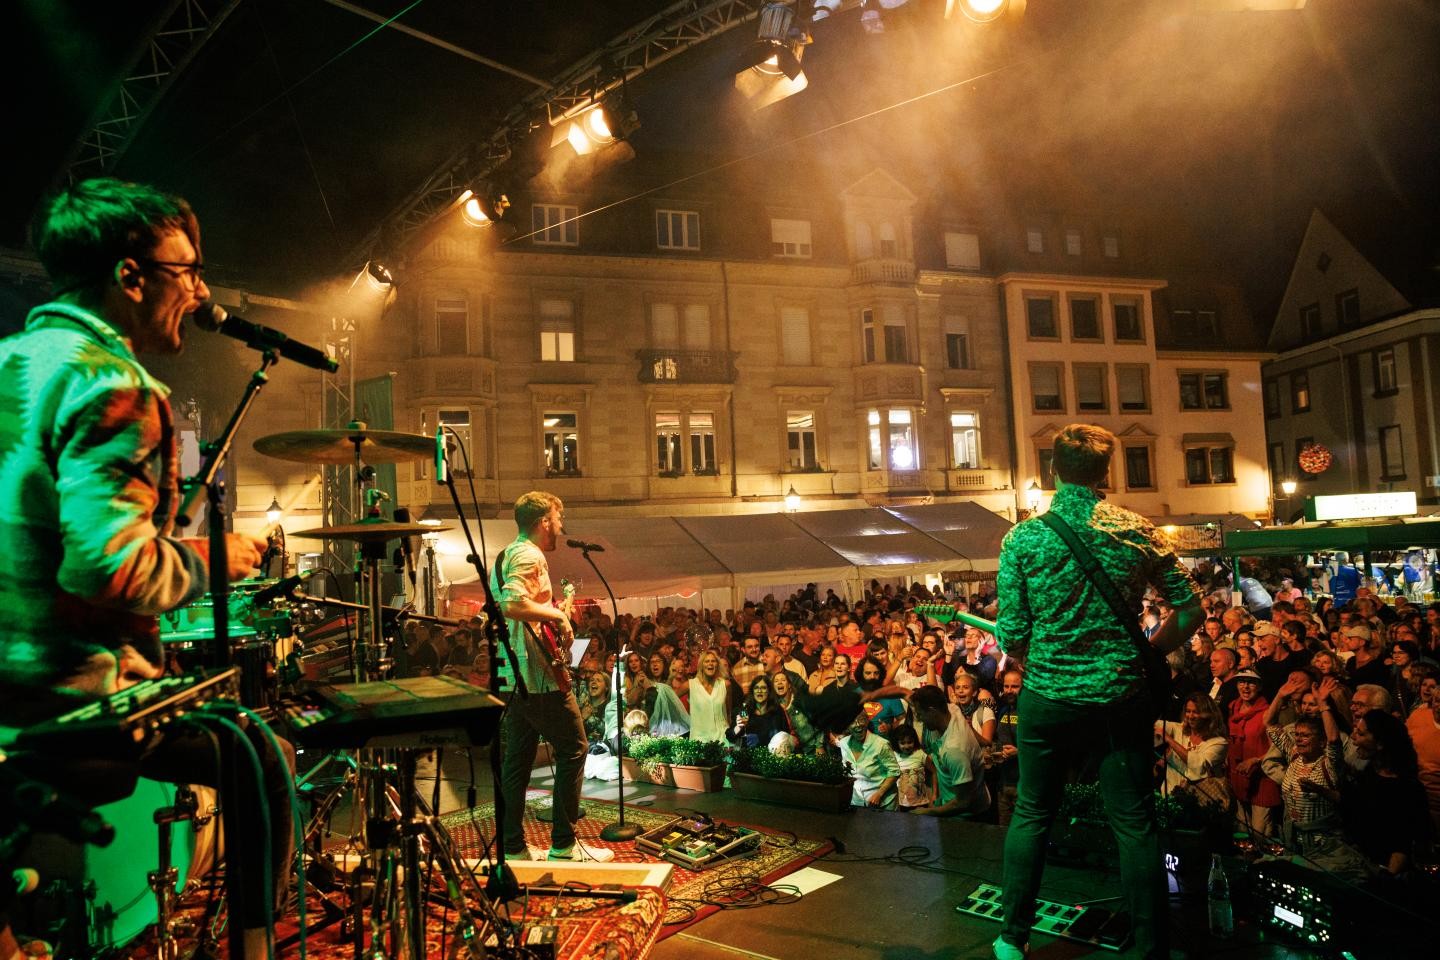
<point>652,557</point>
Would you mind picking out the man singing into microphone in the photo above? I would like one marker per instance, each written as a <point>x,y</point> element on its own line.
<point>520,580</point>
<point>88,480</point>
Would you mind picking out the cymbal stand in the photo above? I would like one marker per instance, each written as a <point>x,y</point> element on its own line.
<point>163,878</point>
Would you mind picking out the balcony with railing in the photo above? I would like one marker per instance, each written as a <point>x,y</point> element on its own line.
<point>686,366</point>
<point>882,270</point>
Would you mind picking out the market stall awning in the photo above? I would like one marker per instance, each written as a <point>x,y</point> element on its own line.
<point>1352,537</point>
<point>878,543</point>
<point>767,548</point>
<point>965,527</point>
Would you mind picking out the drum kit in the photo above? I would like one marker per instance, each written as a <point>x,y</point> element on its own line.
<point>267,624</point>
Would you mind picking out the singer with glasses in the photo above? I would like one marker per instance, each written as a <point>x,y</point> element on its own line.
<point>89,485</point>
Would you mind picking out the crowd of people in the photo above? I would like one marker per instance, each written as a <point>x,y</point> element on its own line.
<point>1319,727</point>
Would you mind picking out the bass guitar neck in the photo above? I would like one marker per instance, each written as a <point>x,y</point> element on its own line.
<point>945,613</point>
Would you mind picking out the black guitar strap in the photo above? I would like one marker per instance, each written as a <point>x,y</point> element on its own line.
<point>1097,575</point>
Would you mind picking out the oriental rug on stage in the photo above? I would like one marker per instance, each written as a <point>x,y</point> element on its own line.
<point>693,895</point>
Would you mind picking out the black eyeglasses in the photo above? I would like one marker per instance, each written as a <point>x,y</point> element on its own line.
<point>194,270</point>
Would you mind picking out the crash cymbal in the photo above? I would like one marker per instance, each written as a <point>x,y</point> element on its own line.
<point>369,531</point>
<point>338,446</point>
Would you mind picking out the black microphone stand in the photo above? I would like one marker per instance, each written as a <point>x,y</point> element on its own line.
<point>619,830</point>
<point>208,479</point>
<point>502,884</point>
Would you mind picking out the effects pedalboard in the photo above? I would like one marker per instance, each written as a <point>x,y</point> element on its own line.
<point>696,843</point>
<point>1086,924</point>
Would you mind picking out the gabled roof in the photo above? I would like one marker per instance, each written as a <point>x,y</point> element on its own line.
<point>878,184</point>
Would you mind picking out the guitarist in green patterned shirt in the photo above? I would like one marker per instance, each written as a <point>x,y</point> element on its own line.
<point>1085,686</point>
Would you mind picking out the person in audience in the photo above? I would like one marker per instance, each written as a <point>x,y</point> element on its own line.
<point>824,673</point>
<point>916,786</point>
<point>759,718</point>
<point>792,700</point>
<point>965,694</point>
<point>597,711</point>
<point>873,764</point>
<point>948,739</point>
<point>1383,807</point>
<point>1224,664</point>
<point>749,666</point>
<point>1005,759</point>
<point>844,677</point>
<point>1195,747</point>
<point>1367,666</point>
<point>1257,795</point>
<point>657,669</point>
<point>915,669</point>
<point>885,707</point>
<point>1424,728</point>
<point>710,699</point>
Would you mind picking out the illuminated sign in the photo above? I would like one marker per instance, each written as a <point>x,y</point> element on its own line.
<point>1362,506</point>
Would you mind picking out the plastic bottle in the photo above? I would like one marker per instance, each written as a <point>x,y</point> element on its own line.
<point>1222,917</point>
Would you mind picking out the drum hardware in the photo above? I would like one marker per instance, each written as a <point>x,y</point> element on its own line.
<point>165,878</point>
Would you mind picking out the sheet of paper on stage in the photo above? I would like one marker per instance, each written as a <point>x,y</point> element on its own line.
<point>807,880</point>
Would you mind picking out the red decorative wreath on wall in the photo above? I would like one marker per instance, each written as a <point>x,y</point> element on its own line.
<point>1315,458</point>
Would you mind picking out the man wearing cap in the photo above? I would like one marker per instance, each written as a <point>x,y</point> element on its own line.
<point>1257,795</point>
<point>1272,658</point>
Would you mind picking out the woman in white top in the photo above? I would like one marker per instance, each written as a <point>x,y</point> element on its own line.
<point>1195,747</point>
<point>873,762</point>
<point>709,700</point>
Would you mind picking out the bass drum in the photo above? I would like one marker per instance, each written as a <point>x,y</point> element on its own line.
<point>123,904</point>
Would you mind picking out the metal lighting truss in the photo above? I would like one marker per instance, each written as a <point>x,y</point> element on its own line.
<point>640,49</point>
<point>180,31</point>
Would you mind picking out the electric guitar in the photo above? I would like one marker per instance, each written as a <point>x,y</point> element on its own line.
<point>944,613</point>
<point>555,649</point>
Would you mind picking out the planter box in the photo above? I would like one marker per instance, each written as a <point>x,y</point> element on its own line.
<point>829,797</point>
<point>680,776</point>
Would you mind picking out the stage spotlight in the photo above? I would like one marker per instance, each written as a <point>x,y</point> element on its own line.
<point>377,277</point>
<point>769,69</point>
<point>612,119</point>
<point>984,11</point>
<point>823,9</point>
<point>482,205</point>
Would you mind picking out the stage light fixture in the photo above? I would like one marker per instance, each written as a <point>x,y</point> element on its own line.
<point>613,118</point>
<point>769,69</point>
<point>377,277</point>
<point>984,11</point>
<point>483,204</point>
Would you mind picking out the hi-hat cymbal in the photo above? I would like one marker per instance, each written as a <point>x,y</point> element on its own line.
<point>369,531</point>
<point>338,446</point>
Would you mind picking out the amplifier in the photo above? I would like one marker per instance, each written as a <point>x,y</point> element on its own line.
<point>1297,902</point>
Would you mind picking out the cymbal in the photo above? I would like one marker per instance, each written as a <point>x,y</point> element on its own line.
<point>338,446</point>
<point>369,531</point>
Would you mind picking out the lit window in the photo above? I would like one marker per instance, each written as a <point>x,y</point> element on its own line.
<point>965,440</point>
<point>1300,391</point>
<point>892,440</point>
<point>702,442</point>
<point>790,238</point>
<point>557,331</point>
<point>667,443</point>
<point>677,230</point>
<point>554,225</point>
<point>561,444</point>
<point>455,424</point>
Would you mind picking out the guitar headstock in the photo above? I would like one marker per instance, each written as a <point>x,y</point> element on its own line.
<point>567,589</point>
<point>942,612</point>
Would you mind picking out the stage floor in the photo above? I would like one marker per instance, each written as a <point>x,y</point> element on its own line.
<point>875,907</point>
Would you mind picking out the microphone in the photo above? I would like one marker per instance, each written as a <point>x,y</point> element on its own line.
<point>283,587</point>
<point>582,545</point>
<point>215,318</point>
<point>406,553</point>
<point>442,473</point>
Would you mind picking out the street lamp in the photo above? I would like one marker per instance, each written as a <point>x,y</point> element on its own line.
<point>1287,487</point>
<point>1032,496</point>
<point>792,499</point>
<point>273,513</point>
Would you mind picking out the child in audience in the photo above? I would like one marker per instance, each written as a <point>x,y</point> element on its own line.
<point>916,786</point>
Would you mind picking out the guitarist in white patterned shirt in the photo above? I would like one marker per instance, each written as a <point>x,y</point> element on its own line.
<point>540,637</point>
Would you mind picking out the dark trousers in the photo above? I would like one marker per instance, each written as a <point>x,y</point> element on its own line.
<point>1051,735</point>
<point>556,717</point>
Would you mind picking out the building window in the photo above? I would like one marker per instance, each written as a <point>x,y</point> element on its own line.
<point>1111,245</point>
<point>702,443</point>
<point>795,336</point>
<point>897,350</point>
<point>1392,454</point>
<point>1045,392</point>
<point>680,327</point>
<point>452,327</point>
<point>677,230</point>
<point>557,330</point>
<point>1084,318</point>
<point>1272,399</point>
<point>1132,388</point>
<point>668,447</point>
<point>962,250</point>
<point>965,440</point>
<point>562,443</point>
<point>1040,318</point>
<point>1385,378</point>
<point>555,225</point>
<point>1035,240</point>
<point>1045,467</point>
<point>1090,384</point>
<point>889,247</point>
<point>1073,245</point>
<point>460,454</point>
<point>1207,325</point>
<point>957,343</point>
<point>1206,465</point>
<point>1275,455</point>
<point>1126,313</point>
<point>864,241</point>
<point>867,332</point>
<point>1137,467</point>
<point>1300,391</point>
<point>1347,308</point>
<point>790,238</point>
<point>1204,391</point>
<point>892,440</point>
<point>801,440</point>
<point>1310,320</point>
